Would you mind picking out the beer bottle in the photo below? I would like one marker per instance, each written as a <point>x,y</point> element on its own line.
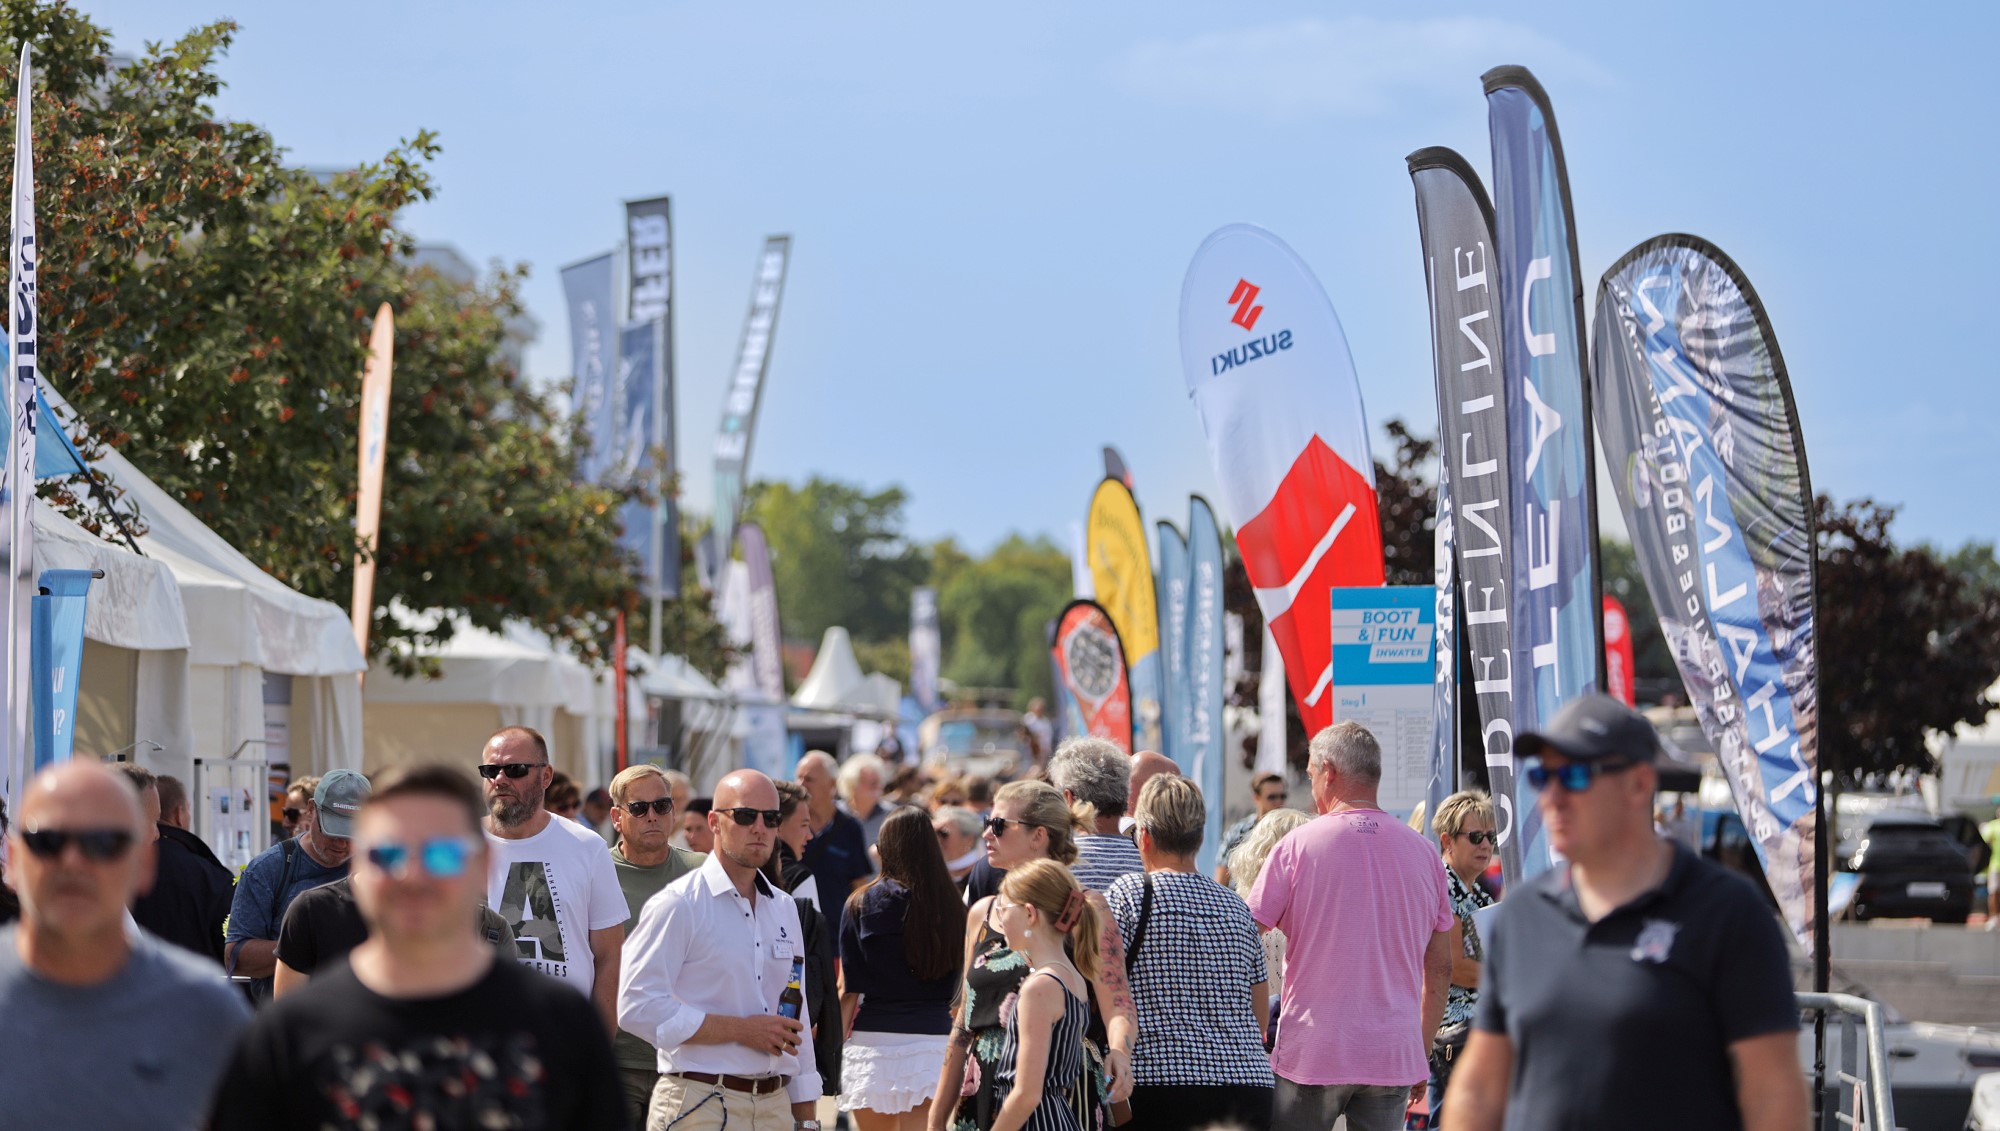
<point>792,1003</point>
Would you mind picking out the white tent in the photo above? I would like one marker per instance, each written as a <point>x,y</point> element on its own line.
<point>1969,763</point>
<point>270,671</point>
<point>487,680</point>
<point>835,683</point>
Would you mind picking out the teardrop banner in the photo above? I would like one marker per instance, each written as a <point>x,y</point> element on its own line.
<point>1089,663</point>
<point>1122,572</point>
<point>375,382</point>
<point>1206,736</point>
<point>1171,588</point>
<point>1267,366</point>
<point>1703,441</point>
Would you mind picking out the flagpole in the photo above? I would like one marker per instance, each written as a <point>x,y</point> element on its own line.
<point>21,338</point>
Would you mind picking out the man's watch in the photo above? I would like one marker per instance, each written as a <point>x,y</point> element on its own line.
<point>805,1125</point>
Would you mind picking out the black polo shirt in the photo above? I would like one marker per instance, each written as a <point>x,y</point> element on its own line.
<point>1627,1022</point>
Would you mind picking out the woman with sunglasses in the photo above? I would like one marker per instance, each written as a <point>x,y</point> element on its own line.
<point>1030,822</point>
<point>900,943</point>
<point>1464,828</point>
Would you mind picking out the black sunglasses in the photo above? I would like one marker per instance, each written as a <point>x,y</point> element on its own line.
<point>1481,837</point>
<point>515,770</point>
<point>746,816</point>
<point>999,825</point>
<point>1278,796</point>
<point>663,806</point>
<point>292,814</point>
<point>96,844</point>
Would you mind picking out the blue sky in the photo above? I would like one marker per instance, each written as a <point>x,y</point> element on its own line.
<point>993,206</point>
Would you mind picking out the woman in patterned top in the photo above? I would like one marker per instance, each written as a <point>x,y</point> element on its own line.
<point>1030,822</point>
<point>1044,914</point>
<point>1464,828</point>
<point>1197,972</point>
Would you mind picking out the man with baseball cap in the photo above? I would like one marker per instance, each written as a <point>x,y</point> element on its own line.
<point>1635,984</point>
<point>317,855</point>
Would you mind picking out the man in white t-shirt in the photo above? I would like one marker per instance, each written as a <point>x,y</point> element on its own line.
<point>553,881</point>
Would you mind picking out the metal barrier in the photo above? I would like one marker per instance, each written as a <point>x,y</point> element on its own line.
<point>1864,1102</point>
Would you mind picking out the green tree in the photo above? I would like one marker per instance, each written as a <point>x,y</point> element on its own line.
<point>996,611</point>
<point>838,557</point>
<point>1908,643</point>
<point>205,309</point>
<point>1406,503</point>
<point>1652,661</point>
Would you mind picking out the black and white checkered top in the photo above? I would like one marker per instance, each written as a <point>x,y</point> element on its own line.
<point>1192,980</point>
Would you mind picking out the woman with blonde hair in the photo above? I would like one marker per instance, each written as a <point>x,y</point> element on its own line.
<point>1464,828</point>
<point>1245,864</point>
<point>1030,823</point>
<point>1045,916</point>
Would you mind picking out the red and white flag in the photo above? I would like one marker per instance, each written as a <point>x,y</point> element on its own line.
<point>1267,366</point>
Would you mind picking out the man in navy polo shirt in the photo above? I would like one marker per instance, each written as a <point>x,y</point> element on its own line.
<point>1636,986</point>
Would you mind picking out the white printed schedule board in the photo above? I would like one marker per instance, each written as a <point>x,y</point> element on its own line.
<point>1384,644</point>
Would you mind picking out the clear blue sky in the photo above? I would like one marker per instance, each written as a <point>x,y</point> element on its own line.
<point>993,205</point>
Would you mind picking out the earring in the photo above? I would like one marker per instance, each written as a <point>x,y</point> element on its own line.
<point>1028,932</point>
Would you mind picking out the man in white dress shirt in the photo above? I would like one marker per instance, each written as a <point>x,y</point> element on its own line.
<point>703,971</point>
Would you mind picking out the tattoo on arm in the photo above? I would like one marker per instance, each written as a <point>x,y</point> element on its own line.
<point>1111,968</point>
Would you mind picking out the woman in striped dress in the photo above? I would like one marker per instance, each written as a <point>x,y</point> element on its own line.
<point>1041,908</point>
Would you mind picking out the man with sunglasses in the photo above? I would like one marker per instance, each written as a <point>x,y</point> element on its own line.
<point>101,1026</point>
<point>1636,985</point>
<point>642,815</point>
<point>317,855</point>
<point>552,880</point>
<point>423,1025</point>
<point>1269,794</point>
<point>710,957</point>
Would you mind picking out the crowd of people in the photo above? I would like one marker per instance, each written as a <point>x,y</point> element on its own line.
<point>432,949</point>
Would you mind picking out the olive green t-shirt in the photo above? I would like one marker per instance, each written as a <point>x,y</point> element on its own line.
<point>639,885</point>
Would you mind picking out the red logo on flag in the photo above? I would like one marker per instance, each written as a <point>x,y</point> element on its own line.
<point>1243,296</point>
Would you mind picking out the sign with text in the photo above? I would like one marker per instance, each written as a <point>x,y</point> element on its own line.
<point>1384,656</point>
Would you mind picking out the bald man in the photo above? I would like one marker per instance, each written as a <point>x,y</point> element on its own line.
<point>105,1026</point>
<point>706,964</point>
<point>837,855</point>
<point>1146,764</point>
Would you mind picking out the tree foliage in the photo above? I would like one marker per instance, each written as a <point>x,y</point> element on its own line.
<point>999,608</point>
<point>1909,642</point>
<point>838,557</point>
<point>1406,502</point>
<point>205,309</point>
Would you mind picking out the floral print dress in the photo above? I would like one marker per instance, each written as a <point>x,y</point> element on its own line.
<point>992,989</point>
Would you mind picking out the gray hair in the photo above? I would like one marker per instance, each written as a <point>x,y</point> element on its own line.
<point>677,779</point>
<point>1248,860</point>
<point>852,769</point>
<point>1350,749</point>
<point>965,821</point>
<point>1094,772</point>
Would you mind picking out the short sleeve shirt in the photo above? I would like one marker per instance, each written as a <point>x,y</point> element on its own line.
<point>1192,980</point>
<point>838,856</point>
<point>1634,1013</point>
<point>251,913</point>
<point>1101,860</point>
<point>553,889</point>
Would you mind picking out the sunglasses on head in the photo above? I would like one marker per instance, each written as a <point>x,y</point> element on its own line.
<point>1574,778</point>
<point>442,858</point>
<point>515,770</point>
<point>663,806</point>
<point>998,825</point>
<point>95,844</point>
<point>746,816</point>
<point>1481,836</point>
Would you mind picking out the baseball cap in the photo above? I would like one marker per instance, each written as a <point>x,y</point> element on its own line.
<point>339,798</point>
<point>1593,727</point>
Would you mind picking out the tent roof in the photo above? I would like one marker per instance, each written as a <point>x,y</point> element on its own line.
<point>236,613</point>
<point>835,682</point>
<point>672,677</point>
<point>516,666</point>
<point>134,605</point>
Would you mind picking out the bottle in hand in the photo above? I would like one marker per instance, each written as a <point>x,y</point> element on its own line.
<point>792,1003</point>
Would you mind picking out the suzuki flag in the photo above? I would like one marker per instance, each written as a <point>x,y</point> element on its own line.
<point>1204,755</point>
<point>1704,446</point>
<point>1171,589</point>
<point>22,336</point>
<point>746,387</point>
<point>1122,571</point>
<point>1267,365</point>
<point>593,353</point>
<point>1553,590</point>
<point>1455,225</point>
<point>926,648</point>
<point>1090,674</point>
<point>375,380</point>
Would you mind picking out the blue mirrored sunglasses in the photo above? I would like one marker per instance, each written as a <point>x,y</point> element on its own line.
<point>1574,777</point>
<point>442,858</point>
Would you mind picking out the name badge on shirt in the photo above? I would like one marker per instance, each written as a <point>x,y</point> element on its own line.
<point>782,950</point>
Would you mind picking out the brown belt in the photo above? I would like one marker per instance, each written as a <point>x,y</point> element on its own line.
<point>755,1085</point>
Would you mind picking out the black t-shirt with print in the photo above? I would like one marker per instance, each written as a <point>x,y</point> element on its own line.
<point>516,1049</point>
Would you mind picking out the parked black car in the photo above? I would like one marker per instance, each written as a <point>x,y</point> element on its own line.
<point>1910,868</point>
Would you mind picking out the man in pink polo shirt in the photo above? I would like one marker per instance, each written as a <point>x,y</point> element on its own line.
<point>1363,903</point>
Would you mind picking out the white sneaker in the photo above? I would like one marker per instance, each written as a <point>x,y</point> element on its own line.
<point>1992,924</point>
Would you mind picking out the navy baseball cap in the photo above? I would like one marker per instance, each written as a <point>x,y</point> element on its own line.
<point>1593,727</point>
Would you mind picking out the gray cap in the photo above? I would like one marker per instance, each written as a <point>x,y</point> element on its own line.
<point>1595,726</point>
<point>339,798</point>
